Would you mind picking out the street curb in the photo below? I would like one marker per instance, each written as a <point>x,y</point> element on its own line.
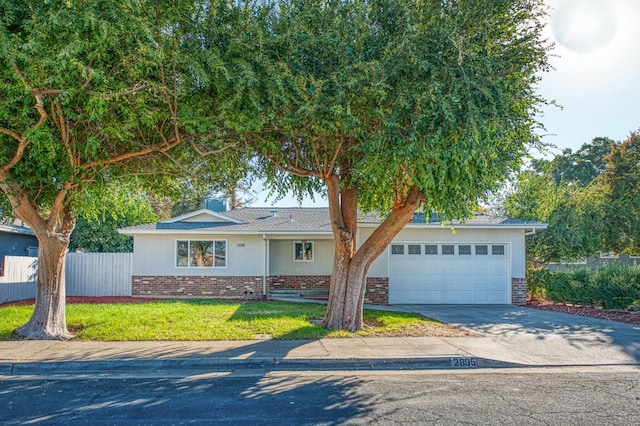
<point>218,365</point>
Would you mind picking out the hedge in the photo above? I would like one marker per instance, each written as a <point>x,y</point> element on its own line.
<point>612,286</point>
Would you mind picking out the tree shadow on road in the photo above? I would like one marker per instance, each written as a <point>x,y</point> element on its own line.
<point>198,385</point>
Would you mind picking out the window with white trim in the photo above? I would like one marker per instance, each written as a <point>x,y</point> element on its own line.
<point>397,248</point>
<point>201,254</point>
<point>303,251</point>
<point>415,249</point>
<point>497,250</point>
<point>448,249</point>
<point>481,250</point>
<point>431,249</point>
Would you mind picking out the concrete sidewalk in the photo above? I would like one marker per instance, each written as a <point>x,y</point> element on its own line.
<point>507,336</point>
<point>60,357</point>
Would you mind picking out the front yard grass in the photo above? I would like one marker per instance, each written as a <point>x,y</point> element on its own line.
<point>217,320</point>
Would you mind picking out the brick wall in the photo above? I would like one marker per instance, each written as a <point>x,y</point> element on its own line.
<point>197,286</point>
<point>377,292</point>
<point>286,282</point>
<point>519,291</point>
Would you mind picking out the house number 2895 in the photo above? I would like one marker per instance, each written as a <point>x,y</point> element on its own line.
<point>463,362</point>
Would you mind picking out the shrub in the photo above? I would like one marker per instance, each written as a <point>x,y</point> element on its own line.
<point>537,281</point>
<point>612,286</point>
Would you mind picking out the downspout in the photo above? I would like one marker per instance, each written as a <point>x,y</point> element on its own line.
<point>266,265</point>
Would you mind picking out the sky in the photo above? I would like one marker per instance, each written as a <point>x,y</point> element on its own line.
<point>595,78</point>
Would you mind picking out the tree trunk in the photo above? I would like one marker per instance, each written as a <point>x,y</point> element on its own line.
<point>48,321</point>
<point>351,264</point>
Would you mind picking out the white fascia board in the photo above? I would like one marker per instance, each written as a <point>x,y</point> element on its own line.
<point>282,235</point>
<point>183,231</point>
<point>466,226</point>
<point>200,212</point>
<point>220,232</point>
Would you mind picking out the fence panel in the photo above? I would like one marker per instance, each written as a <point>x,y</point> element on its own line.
<point>86,274</point>
<point>18,280</point>
<point>99,274</point>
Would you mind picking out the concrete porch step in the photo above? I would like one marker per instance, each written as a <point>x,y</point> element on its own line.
<point>300,293</point>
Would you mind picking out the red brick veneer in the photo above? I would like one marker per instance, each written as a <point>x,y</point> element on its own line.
<point>519,291</point>
<point>377,291</point>
<point>197,286</point>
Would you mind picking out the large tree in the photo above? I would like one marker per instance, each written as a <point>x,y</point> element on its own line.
<point>589,198</point>
<point>389,106</point>
<point>105,209</point>
<point>90,91</point>
<point>620,184</point>
<point>572,213</point>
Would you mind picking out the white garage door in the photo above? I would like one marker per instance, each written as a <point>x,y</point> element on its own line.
<point>437,273</point>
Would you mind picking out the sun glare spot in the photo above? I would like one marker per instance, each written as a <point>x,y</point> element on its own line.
<point>583,25</point>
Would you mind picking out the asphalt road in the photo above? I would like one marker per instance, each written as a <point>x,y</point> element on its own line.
<point>481,397</point>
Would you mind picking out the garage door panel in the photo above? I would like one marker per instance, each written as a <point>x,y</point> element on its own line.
<point>465,296</point>
<point>450,278</point>
<point>407,297</point>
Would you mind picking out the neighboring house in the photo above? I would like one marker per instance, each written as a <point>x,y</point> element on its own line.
<point>17,240</point>
<point>596,260</point>
<point>253,251</point>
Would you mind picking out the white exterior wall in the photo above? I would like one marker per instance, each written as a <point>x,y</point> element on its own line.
<point>155,255</point>
<point>513,237</point>
<point>281,258</point>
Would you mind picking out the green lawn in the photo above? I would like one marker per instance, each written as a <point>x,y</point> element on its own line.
<point>209,320</point>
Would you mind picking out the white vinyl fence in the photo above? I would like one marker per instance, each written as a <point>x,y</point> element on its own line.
<point>18,280</point>
<point>87,274</point>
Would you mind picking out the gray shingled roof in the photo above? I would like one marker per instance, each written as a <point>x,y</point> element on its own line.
<point>16,229</point>
<point>302,220</point>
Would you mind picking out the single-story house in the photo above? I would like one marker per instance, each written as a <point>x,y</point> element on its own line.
<point>17,239</point>
<point>251,252</point>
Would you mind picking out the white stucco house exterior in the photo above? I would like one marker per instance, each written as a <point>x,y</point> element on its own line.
<point>249,253</point>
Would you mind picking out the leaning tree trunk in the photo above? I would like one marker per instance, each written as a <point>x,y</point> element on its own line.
<point>351,264</point>
<point>48,321</point>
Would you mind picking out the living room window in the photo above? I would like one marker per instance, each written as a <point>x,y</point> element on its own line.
<point>201,254</point>
<point>303,251</point>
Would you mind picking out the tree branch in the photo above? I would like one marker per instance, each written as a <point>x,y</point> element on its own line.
<point>22,145</point>
<point>164,146</point>
<point>289,168</point>
<point>211,152</point>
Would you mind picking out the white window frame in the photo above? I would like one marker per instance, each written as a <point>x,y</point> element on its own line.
<point>213,242</point>
<point>303,242</point>
<point>397,254</point>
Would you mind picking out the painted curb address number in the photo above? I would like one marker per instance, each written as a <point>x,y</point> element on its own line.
<point>464,362</point>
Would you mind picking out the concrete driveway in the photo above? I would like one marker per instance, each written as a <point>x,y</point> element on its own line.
<point>541,337</point>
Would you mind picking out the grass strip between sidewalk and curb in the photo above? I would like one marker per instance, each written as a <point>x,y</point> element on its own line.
<point>203,319</point>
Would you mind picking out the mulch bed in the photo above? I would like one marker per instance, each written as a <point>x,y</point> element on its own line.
<point>588,311</point>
